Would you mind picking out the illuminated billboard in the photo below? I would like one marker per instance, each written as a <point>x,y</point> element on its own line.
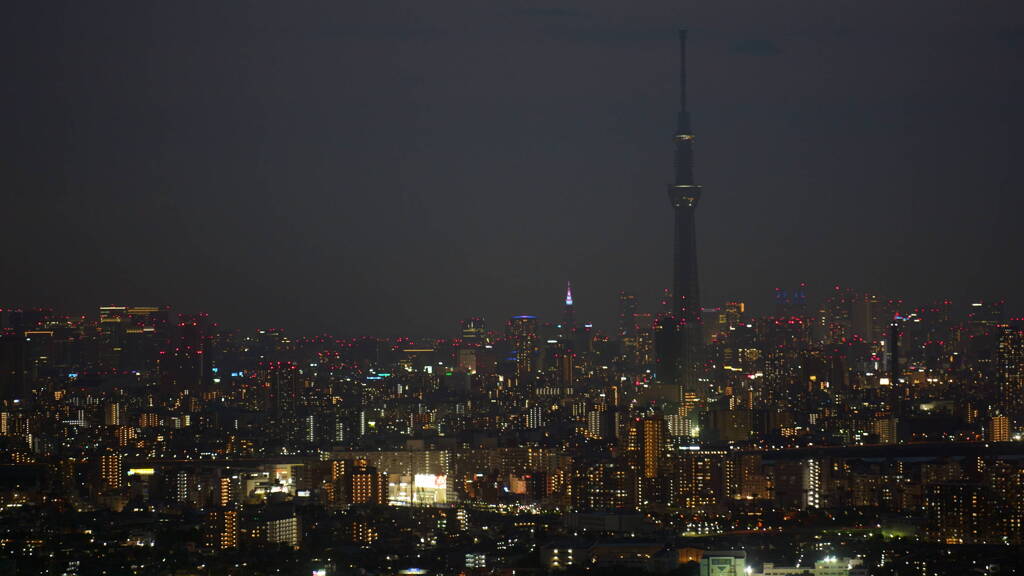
<point>430,481</point>
<point>417,490</point>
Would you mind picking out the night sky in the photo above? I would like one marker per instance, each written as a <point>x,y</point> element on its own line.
<point>388,168</point>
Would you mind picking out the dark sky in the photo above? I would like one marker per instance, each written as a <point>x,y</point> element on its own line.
<point>381,167</point>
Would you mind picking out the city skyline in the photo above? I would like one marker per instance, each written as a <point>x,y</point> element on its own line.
<point>306,205</point>
<point>345,291</point>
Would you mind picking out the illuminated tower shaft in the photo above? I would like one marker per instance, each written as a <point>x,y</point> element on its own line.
<point>684,196</point>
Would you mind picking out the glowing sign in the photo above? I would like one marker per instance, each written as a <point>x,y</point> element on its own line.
<point>141,471</point>
<point>430,481</point>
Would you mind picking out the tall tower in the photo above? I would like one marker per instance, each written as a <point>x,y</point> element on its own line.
<point>568,314</point>
<point>685,325</point>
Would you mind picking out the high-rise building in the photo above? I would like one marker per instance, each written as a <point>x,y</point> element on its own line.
<point>606,485</point>
<point>365,485</point>
<point>280,383</point>
<point>601,423</point>
<point>652,445</point>
<point>734,312</point>
<point>281,525</point>
<point>187,367</point>
<point>792,303</point>
<point>813,485</point>
<point>668,342</point>
<point>684,195</point>
<point>1006,478</point>
<point>131,337</point>
<point>112,414</point>
<point>474,330</point>
<point>149,420</point>
<point>14,381</point>
<point>835,318</point>
<point>957,513</point>
<point>645,339</point>
<point>627,311</point>
<point>999,429</point>
<point>521,333</point>
<point>112,471</point>
<point>364,533</point>
<point>227,491</point>
<point>184,486</point>
<point>987,313</point>
<point>665,304</point>
<point>535,417</point>
<point>226,523</point>
<point>644,444</point>
<point>695,479</point>
<point>1011,374</point>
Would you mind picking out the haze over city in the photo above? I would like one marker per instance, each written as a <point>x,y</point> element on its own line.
<point>385,168</point>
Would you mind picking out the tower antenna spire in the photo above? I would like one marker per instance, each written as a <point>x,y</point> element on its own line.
<point>684,114</point>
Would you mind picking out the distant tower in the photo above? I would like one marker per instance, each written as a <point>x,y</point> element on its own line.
<point>684,329</point>
<point>568,314</point>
